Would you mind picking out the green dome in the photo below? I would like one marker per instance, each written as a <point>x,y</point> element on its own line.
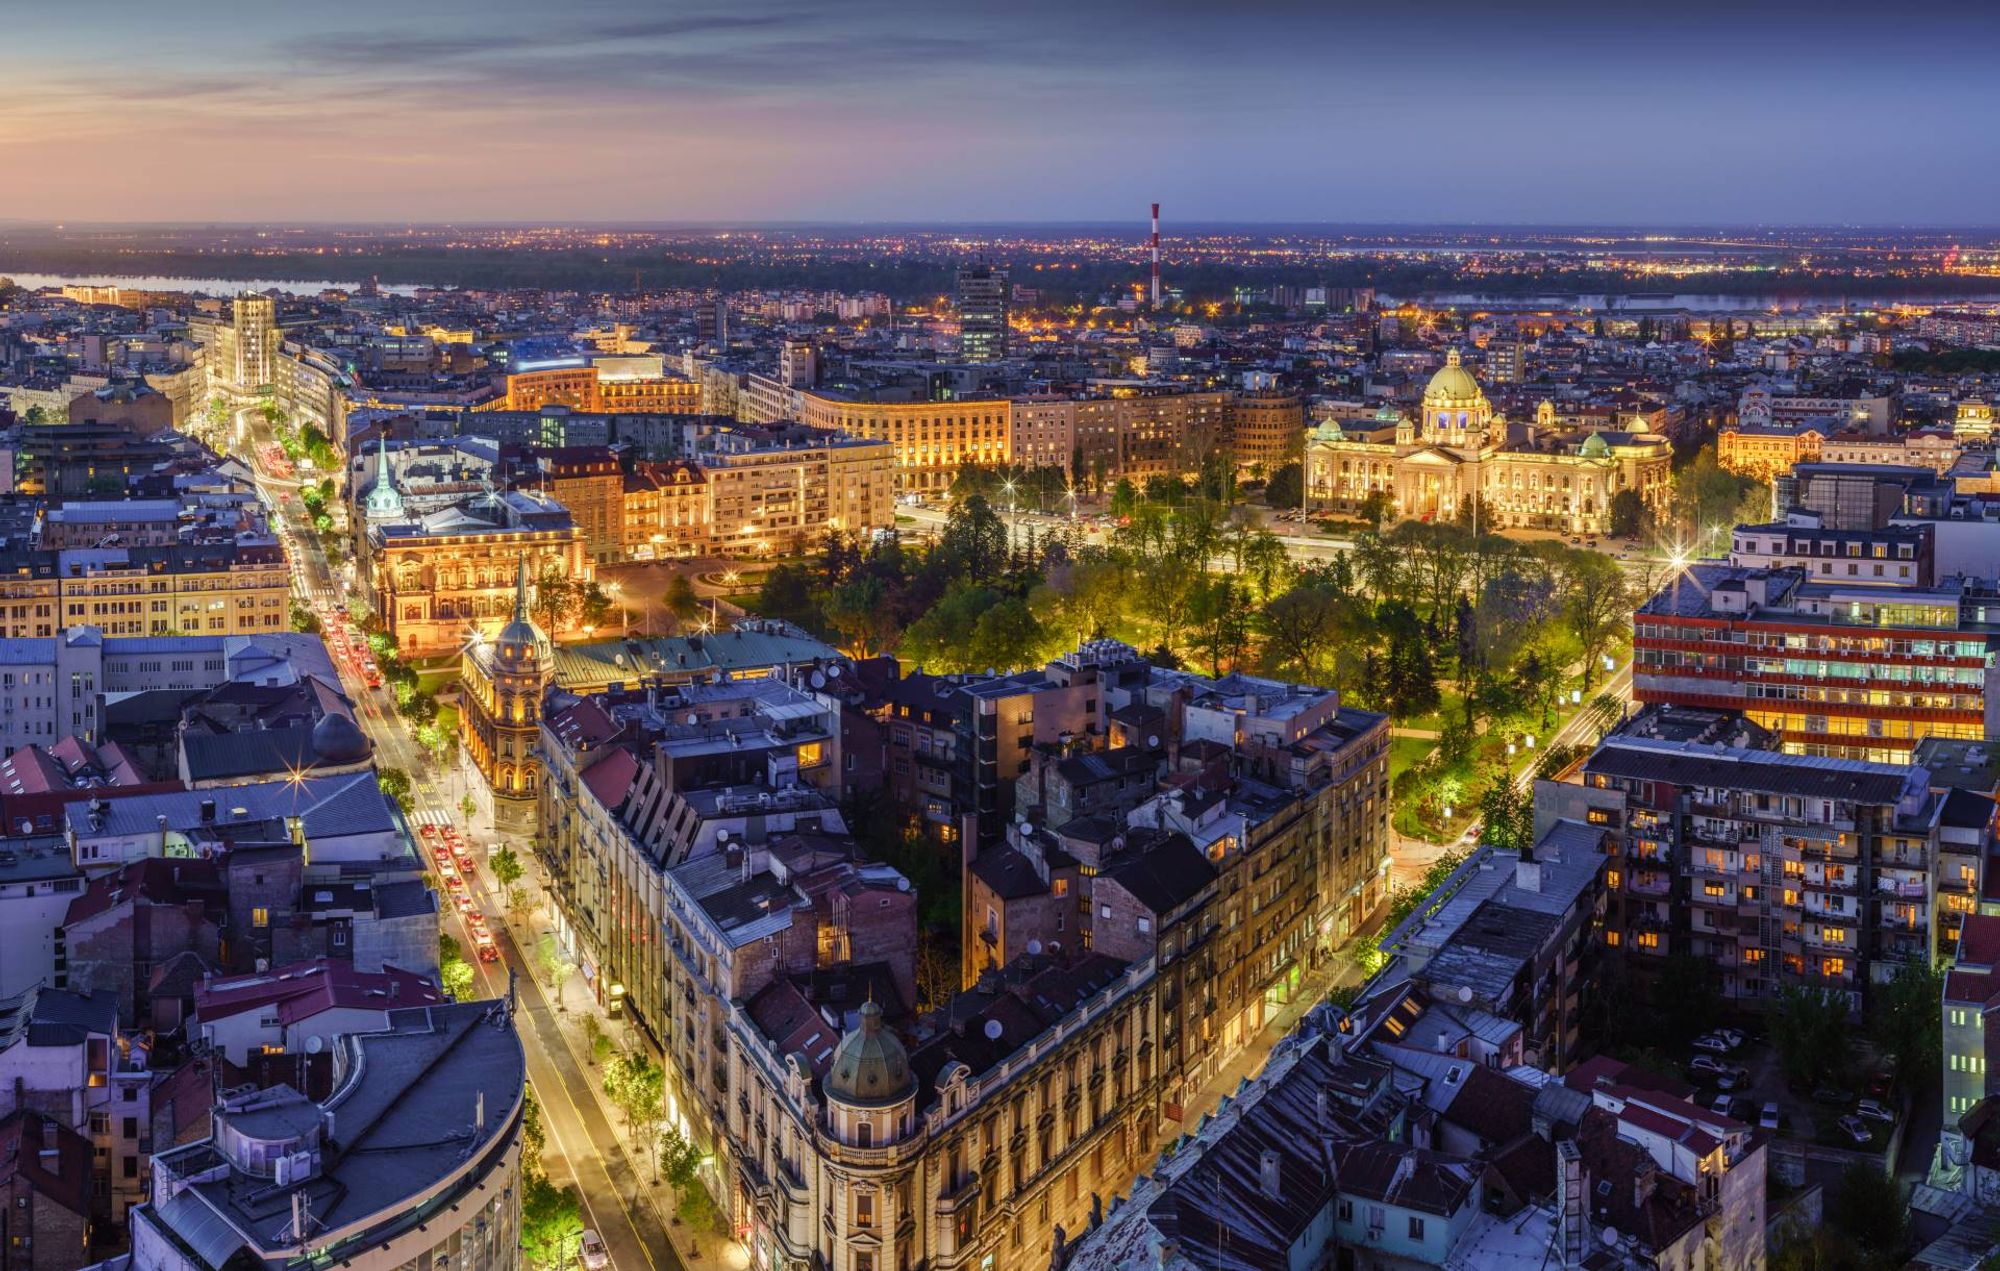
<point>1595,447</point>
<point>1452,385</point>
<point>870,1067</point>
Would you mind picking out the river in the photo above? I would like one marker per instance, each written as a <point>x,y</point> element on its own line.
<point>207,286</point>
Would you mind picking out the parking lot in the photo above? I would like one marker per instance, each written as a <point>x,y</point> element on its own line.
<point>1736,1072</point>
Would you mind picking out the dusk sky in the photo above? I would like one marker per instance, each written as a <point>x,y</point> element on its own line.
<point>763,110</point>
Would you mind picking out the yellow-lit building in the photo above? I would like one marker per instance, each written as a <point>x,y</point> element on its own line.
<point>666,511</point>
<point>227,589</point>
<point>504,680</point>
<point>584,388</point>
<point>1265,429</point>
<point>1764,451</point>
<point>931,441</point>
<point>1430,468</point>
<point>786,499</point>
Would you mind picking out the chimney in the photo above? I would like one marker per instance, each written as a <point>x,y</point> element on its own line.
<point>1572,1189</point>
<point>1528,871</point>
<point>1325,1107</point>
<point>208,812</point>
<point>1643,1183</point>
<point>1267,1174</point>
<point>1170,1252</point>
<point>479,1113</point>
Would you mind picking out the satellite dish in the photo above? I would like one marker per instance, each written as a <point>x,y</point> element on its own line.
<point>833,673</point>
<point>1609,1235</point>
<point>1152,741</point>
<point>993,1030</point>
<point>818,680</point>
<point>693,720</point>
<point>1465,992</point>
<point>314,1045</point>
<point>1034,947</point>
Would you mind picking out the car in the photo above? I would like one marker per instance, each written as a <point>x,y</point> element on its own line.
<point>464,902</point>
<point>1707,1066</point>
<point>1710,1042</point>
<point>466,864</point>
<point>1855,1128</point>
<point>447,870</point>
<point>1832,1097</point>
<point>1880,1085</point>
<point>1734,1036</point>
<point>1767,1119</point>
<point>486,949</point>
<point>1731,1077</point>
<point>1875,1110</point>
<point>1723,1105</point>
<point>592,1253</point>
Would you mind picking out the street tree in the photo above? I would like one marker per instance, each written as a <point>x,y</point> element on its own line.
<point>507,871</point>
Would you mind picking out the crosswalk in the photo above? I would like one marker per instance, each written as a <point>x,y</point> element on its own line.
<point>431,816</point>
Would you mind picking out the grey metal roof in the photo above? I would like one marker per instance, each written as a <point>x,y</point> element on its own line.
<point>1694,763</point>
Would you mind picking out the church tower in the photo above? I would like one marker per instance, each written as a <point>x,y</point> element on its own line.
<point>504,682</point>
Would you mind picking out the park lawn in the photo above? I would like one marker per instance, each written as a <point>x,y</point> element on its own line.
<point>1451,705</point>
<point>1406,753</point>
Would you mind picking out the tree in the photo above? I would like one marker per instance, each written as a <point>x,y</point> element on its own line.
<point>396,784</point>
<point>1267,561</point>
<point>1221,621</point>
<point>551,1223</point>
<point>680,599</point>
<point>1007,637</point>
<point>636,1086</point>
<point>1596,603</point>
<point>597,1044</point>
<point>534,1136</point>
<point>468,806</point>
<point>1867,1207</point>
<point>556,967</point>
<point>937,972</point>
<point>593,605</point>
<point>1287,486</point>
<point>1905,1021</point>
<point>1508,812</point>
<point>454,972</point>
<point>1811,1031</point>
<point>1628,514</point>
<point>1374,509</point>
<point>860,612</point>
<point>555,601</point>
<point>507,871</point>
<point>304,619</point>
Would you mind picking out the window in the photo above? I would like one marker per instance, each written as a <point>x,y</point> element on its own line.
<point>1416,1227</point>
<point>864,1209</point>
<point>1346,1213</point>
<point>864,1134</point>
<point>260,917</point>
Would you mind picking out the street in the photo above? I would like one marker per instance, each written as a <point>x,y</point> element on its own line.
<point>580,1144</point>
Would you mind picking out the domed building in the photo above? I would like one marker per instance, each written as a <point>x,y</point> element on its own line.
<point>504,681</point>
<point>1429,469</point>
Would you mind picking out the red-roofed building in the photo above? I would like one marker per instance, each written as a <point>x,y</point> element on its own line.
<point>45,1188</point>
<point>285,1009</point>
<point>1971,1009</point>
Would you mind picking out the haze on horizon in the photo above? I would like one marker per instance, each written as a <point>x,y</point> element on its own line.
<point>1079,111</point>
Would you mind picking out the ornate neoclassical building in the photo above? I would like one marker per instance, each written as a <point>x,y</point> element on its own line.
<point>1540,478</point>
<point>502,717</point>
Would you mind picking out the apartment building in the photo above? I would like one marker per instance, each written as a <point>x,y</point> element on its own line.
<point>784,499</point>
<point>1780,869</point>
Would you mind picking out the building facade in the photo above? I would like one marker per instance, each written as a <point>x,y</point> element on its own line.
<point>1459,449</point>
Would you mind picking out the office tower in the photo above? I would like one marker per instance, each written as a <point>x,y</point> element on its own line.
<point>982,313</point>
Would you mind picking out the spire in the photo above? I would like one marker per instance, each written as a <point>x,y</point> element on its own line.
<point>521,592</point>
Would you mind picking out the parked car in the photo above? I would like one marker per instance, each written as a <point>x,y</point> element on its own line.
<point>1857,1129</point>
<point>1734,1036</point>
<point>1731,1077</point>
<point>1712,1043</point>
<point>1707,1066</point>
<point>1768,1118</point>
<point>1722,1104</point>
<point>594,1255</point>
<point>1875,1110</point>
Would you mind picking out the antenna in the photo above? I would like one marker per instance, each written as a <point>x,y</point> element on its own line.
<point>1156,256</point>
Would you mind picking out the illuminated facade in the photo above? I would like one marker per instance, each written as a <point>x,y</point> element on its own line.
<point>504,681</point>
<point>585,388</point>
<point>1127,432</point>
<point>930,440</point>
<point>1767,450</point>
<point>1429,470</point>
<point>1265,429</point>
<point>1852,670</point>
<point>785,499</point>
<point>666,511</point>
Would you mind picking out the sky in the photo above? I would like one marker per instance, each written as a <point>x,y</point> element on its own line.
<point>1513,111</point>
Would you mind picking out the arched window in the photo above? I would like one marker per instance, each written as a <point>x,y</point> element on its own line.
<point>864,1134</point>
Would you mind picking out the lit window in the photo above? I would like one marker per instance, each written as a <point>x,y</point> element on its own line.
<point>260,917</point>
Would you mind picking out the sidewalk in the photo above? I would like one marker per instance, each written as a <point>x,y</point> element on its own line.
<point>577,1003</point>
<point>530,923</point>
<point>1248,1062</point>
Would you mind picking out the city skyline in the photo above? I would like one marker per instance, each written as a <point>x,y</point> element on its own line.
<point>627,112</point>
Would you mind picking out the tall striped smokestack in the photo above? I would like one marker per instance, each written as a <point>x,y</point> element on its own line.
<point>1156,256</point>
